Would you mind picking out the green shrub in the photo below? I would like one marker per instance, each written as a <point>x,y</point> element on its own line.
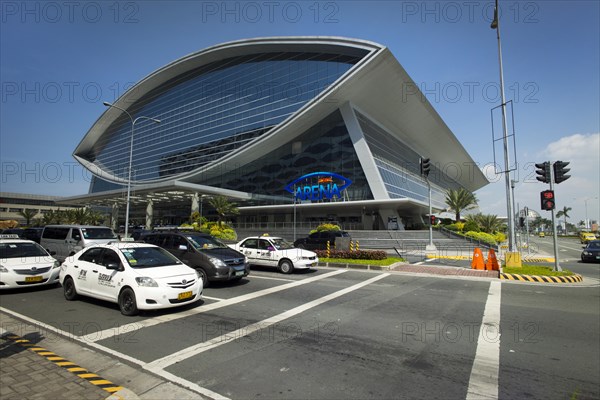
<point>326,227</point>
<point>471,226</point>
<point>353,255</point>
<point>482,237</point>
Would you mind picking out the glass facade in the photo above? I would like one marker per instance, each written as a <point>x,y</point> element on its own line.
<point>399,167</point>
<point>324,147</point>
<point>209,112</point>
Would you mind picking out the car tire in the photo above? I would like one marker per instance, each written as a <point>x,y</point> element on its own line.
<point>127,302</point>
<point>69,289</point>
<point>204,277</point>
<point>286,267</point>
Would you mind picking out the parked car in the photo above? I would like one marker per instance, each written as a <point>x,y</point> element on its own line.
<point>136,276</point>
<point>12,231</point>
<point>66,240</point>
<point>276,252</point>
<point>586,237</point>
<point>213,260</point>
<point>34,234</point>
<point>24,263</point>
<point>591,252</point>
<point>318,240</point>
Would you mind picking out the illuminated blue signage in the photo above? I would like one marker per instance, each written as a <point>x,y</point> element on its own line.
<point>318,186</point>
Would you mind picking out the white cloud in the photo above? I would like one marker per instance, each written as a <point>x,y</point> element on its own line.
<point>581,192</point>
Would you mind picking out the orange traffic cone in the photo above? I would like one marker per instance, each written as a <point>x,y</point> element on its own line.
<point>477,262</point>
<point>492,262</point>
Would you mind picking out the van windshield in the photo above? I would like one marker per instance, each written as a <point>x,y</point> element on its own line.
<point>98,233</point>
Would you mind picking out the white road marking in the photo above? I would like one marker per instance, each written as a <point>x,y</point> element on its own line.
<point>212,298</point>
<point>254,276</point>
<point>483,383</point>
<point>134,326</point>
<point>191,351</point>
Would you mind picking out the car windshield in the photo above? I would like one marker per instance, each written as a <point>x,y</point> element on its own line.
<point>281,244</point>
<point>205,242</point>
<point>148,257</point>
<point>16,250</point>
<point>98,233</point>
<point>593,245</point>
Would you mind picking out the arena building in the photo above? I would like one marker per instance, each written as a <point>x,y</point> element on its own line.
<point>294,130</point>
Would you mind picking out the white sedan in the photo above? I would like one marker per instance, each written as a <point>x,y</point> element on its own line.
<point>24,263</point>
<point>136,276</point>
<point>273,251</point>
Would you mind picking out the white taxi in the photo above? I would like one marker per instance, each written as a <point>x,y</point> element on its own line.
<point>273,251</point>
<point>24,263</point>
<point>136,276</point>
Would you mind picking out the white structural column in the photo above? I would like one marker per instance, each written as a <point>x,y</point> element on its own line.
<point>115,217</point>
<point>149,214</point>
<point>195,203</point>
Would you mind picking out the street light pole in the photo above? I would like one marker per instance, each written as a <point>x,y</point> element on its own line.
<point>509,196</point>
<point>133,122</point>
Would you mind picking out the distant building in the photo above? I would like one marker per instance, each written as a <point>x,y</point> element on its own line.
<point>291,129</point>
<point>12,204</point>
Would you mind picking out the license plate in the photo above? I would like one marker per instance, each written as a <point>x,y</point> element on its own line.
<point>34,279</point>
<point>184,295</point>
<point>239,273</point>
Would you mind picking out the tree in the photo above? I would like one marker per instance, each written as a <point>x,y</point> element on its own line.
<point>564,212</point>
<point>223,207</point>
<point>460,200</point>
<point>28,214</point>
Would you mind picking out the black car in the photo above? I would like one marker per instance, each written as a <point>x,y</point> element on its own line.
<point>34,234</point>
<point>211,258</point>
<point>591,252</point>
<point>318,240</point>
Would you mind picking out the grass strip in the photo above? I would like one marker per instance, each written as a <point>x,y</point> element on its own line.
<point>538,270</point>
<point>387,261</point>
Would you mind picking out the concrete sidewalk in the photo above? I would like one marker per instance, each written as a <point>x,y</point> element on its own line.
<point>38,363</point>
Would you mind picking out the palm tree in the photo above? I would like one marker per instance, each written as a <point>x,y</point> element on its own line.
<point>489,223</point>
<point>564,212</point>
<point>459,200</point>
<point>223,207</point>
<point>28,214</point>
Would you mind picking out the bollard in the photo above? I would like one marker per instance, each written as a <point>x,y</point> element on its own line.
<point>328,253</point>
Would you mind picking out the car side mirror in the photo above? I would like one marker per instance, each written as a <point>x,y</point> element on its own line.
<point>115,266</point>
<point>52,253</point>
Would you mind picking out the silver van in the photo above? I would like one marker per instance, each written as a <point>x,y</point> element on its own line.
<point>66,240</point>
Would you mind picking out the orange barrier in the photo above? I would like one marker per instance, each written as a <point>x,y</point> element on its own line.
<point>477,262</point>
<point>492,262</point>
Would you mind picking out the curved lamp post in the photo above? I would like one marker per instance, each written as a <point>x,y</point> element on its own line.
<point>133,121</point>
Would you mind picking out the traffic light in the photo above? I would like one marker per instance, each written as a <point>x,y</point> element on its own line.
<point>560,172</point>
<point>548,200</point>
<point>543,172</point>
<point>425,166</point>
<point>521,222</point>
<point>432,219</point>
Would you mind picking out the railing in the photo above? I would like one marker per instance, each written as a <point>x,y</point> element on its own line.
<point>479,243</point>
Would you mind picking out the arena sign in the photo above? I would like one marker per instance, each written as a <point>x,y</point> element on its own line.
<point>318,186</point>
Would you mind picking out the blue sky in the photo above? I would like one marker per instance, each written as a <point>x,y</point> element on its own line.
<point>60,60</point>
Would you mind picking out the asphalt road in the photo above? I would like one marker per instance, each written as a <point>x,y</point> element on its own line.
<point>352,334</point>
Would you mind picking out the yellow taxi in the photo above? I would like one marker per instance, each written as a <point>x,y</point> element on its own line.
<point>586,237</point>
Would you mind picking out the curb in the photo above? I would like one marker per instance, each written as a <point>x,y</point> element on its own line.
<point>542,279</point>
<point>355,266</point>
<point>57,360</point>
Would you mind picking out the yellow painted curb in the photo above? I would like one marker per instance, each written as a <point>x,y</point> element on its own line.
<point>542,279</point>
<point>63,363</point>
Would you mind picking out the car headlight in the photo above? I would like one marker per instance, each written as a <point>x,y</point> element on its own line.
<point>587,253</point>
<point>56,264</point>
<point>217,262</point>
<point>3,268</point>
<point>146,281</point>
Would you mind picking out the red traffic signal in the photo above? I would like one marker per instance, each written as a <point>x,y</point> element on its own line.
<point>432,219</point>
<point>547,199</point>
